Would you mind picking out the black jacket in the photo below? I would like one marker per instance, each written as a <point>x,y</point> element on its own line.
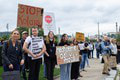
<point>63,43</point>
<point>11,54</point>
<point>85,50</point>
<point>51,50</point>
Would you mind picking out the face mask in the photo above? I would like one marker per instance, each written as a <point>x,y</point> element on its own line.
<point>51,39</point>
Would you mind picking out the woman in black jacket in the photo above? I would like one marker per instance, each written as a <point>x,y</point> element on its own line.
<point>50,59</point>
<point>12,56</point>
<point>75,65</point>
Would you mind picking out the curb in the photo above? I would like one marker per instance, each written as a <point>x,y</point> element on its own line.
<point>56,77</point>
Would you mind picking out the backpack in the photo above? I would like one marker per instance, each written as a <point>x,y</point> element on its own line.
<point>9,43</point>
<point>100,48</point>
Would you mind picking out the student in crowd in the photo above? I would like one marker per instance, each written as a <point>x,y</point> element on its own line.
<point>35,48</point>
<point>114,51</point>
<point>85,52</point>
<point>81,48</point>
<point>65,69</point>
<point>24,67</point>
<point>75,66</point>
<point>106,50</point>
<point>91,47</point>
<point>118,52</point>
<point>98,48</point>
<point>50,59</point>
<point>12,56</point>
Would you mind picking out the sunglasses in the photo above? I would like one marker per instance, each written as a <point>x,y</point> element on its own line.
<point>16,33</point>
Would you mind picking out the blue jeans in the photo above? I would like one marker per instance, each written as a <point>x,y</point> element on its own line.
<point>87,60</point>
<point>16,67</point>
<point>45,72</point>
<point>98,53</point>
<point>65,71</point>
<point>84,59</point>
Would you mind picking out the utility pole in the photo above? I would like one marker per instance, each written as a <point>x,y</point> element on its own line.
<point>98,32</point>
<point>119,28</point>
<point>58,34</point>
<point>7,27</point>
<point>116,27</point>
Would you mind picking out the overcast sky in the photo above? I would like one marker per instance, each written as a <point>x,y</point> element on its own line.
<point>71,15</point>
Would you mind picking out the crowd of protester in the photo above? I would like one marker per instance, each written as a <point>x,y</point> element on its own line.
<point>24,55</point>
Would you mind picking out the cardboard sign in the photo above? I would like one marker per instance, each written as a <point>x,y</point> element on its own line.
<point>80,36</point>
<point>112,61</point>
<point>36,46</point>
<point>67,54</point>
<point>49,23</point>
<point>29,16</point>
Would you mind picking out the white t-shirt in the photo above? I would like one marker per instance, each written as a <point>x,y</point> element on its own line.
<point>35,45</point>
<point>81,46</point>
<point>114,48</point>
<point>90,46</point>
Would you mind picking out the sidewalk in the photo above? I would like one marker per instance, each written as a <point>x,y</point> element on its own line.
<point>94,72</point>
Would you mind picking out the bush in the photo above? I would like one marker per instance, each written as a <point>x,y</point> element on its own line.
<point>0,56</point>
<point>118,38</point>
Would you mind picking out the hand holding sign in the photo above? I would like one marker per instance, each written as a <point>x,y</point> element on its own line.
<point>60,61</point>
<point>34,56</point>
<point>11,66</point>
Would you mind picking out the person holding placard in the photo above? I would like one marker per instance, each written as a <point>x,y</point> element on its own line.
<point>50,59</point>
<point>85,52</point>
<point>35,48</point>
<point>75,65</point>
<point>65,69</point>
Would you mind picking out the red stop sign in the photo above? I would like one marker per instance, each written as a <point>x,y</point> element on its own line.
<point>48,19</point>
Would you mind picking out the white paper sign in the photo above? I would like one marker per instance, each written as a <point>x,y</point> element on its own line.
<point>37,45</point>
<point>49,23</point>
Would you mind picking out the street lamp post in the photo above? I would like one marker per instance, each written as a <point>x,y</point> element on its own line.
<point>7,27</point>
<point>116,27</point>
<point>59,34</point>
<point>98,32</point>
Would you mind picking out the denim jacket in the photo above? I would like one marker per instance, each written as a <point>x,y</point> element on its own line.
<point>106,47</point>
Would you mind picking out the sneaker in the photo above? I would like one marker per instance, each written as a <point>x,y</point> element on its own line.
<point>84,70</point>
<point>106,73</point>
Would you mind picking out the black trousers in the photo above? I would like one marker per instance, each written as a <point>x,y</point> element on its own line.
<point>118,57</point>
<point>50,65</point>
<point>89,54</point>
<point>34,68</point>
<point>75,70</point>
<point>22,69</point>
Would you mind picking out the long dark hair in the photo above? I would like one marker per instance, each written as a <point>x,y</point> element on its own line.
<point>63,38</point>
<point>74,40</point>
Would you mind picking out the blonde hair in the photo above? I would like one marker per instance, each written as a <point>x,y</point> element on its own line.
<point>48,38</point>
<point>13,32</point>
<point>112,40</point>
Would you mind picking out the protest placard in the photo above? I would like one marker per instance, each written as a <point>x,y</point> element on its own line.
<point>67,54</point>
<point>29,16</point>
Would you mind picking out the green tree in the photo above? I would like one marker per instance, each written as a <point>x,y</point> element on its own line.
<point>87,39</point>
<point>5,37</point>
<point>118,37</point>
<point>21,29</point>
